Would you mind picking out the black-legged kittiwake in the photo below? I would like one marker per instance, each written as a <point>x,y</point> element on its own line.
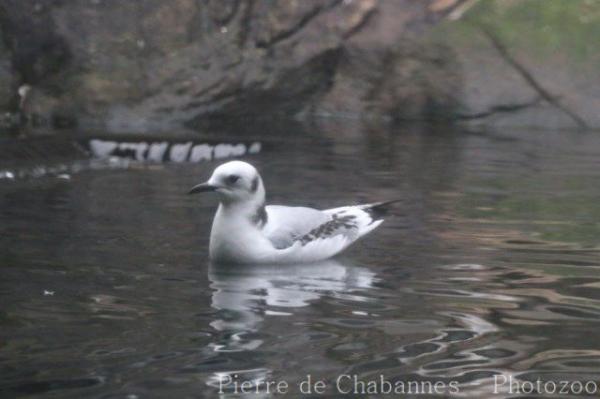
<point>244,230</point>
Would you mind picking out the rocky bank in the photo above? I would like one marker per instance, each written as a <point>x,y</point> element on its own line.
<point>153,65</point>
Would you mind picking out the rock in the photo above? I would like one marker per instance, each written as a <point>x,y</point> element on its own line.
<point>520,67</point>
<point>8,95</point>
<point>158,65</point>
<point>7,88</point>
<point>508,100</point>
<point>405,82</point>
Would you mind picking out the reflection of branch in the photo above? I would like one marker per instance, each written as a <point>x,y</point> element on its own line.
<point>499,109</point>
<point>528,77</point>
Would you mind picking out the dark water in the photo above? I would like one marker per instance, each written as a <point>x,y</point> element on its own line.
<point>490,267</point>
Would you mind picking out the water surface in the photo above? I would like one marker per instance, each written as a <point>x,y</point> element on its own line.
<point>490,266</point>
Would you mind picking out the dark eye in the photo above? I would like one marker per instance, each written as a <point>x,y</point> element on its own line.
<point>231,179</point>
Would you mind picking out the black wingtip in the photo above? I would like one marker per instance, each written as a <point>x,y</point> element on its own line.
<point>380,209</point>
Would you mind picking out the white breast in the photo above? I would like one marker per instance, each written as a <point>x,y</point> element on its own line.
<point>234,238</point>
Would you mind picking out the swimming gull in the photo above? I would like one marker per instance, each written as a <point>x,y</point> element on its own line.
<point>244,230</point>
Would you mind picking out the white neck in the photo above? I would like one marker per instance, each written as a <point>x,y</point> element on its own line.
<point>235,229</point>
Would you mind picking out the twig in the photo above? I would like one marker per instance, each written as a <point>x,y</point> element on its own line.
<point>462,8</point>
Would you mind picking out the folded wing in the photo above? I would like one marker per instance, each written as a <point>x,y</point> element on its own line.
<point>307,234</point>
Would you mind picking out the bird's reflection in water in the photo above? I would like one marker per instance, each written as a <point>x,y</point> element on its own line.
<point>246,295</point>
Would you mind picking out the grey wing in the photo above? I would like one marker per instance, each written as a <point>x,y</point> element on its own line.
<point>286,224</point>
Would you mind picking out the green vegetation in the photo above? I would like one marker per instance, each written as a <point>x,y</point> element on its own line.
<point>545,27</point>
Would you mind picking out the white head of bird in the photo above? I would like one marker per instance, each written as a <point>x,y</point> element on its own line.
<point>237,183</point>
